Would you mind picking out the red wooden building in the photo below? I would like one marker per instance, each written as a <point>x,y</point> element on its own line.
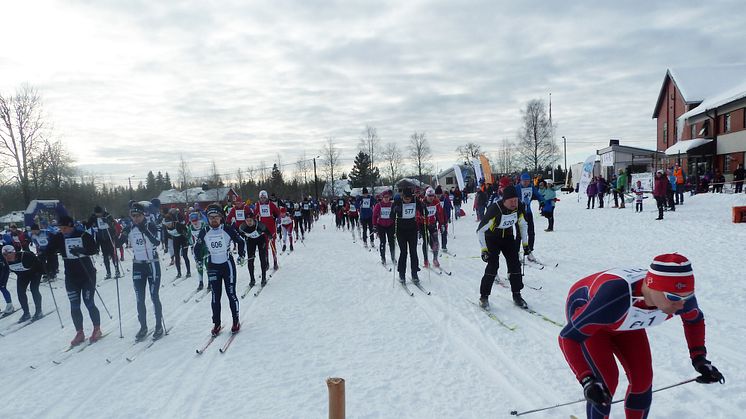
<point>701,117</point>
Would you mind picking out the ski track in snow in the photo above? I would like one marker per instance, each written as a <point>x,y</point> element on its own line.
<point>331,311</point>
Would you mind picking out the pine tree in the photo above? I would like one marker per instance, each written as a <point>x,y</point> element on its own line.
<point>167,182</point>
<point>159,184</point>
<point>362,174</point>
<point>276,178</point>
<point>150,184</point>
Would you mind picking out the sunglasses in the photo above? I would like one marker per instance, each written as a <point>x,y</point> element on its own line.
<point>676,297</point>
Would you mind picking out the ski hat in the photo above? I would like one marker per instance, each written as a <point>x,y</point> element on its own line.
<point>137,208</point>
<point>283,210</point>
<point>214,209</point>
<point>98,210</point>
<point>670,272</point>
<point>438,190</point>
<point>7,249</point>
<point>430,192</point>
<point>193,216</point>
<point>66,221</point>
<point>387,192</point>
<point>407,193</point>
<point>660,171</point>
<point>509,192</point>
<point>365,191</point>
<point>263,194</point>
<point>504,182</point>
<point>525,176</point>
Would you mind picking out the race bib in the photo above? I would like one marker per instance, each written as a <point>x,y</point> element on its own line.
<point>352,207</point>
<point>254,234</point>
<point>16,267</point>
<point>240,215</point>
<point>385,213</point>
<point>264,210</point>
<point>508,220</point>
<point>305,207</point>
<point>216,245</point>
<point>71,243</point>
<point>297,213</point>
<point>365,203</point>
<point>431,210</point>
<point>526,194</point>
<point>102,225</point>
<point>408,210</point>
<point>640,318</point>
<point>286,221</point>
<point>341,203</point>
<point>42,241</point>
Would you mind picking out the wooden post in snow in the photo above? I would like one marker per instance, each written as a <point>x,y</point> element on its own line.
<point>336,397</point>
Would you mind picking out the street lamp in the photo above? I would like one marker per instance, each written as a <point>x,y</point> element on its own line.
<point>129,180</point>
<point>564,143</point>
<point>315,178</point>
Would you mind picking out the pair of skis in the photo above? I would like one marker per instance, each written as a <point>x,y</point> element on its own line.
<point>212,338</point>
<point>417,285</point>
<point>72,350</point>
<point>18,326</point>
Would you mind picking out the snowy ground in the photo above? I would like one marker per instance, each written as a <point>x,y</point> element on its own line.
<point>331,310</point>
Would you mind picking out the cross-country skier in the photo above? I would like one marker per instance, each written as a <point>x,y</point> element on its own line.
<point>196,225</point>
<point>365,204</point>
<point>40,239</point>
<point>307,210</point>
<point>220,265</point>
<point>528,192</point>
<point>178,236</point>
<point>28,269</point>
<point>383,223</point>
<point>76,247</point>
<point>268,213</point>
<point>445,201</point>
<point>4,275</point>
<point>407,215</point>
<point>495,234</point>
<point>432,226</point>
<point>286,228</point>
<point>607,314</point>
<point>146,269</point>
<point>300,230</point>
<point>103,224</point>
<point>256,235</point>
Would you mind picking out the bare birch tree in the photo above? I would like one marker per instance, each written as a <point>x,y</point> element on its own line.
<point>468,151</point>
<point>370,144</point>
<point>420,154</point>
<point>330,162</point>
<point>536,146</point>
<point>392,157</point>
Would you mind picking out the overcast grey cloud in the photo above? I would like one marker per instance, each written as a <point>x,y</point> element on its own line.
<point>132,85</point>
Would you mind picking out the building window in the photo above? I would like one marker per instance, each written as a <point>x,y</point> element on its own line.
<point>726,122</point>
<point>665,133</point>
<point>705,131</point>
<point>693,132</point>
<point>728,159</point>
<point>449,180</point>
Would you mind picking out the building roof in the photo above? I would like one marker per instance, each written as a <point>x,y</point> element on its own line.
<point>191,195</point>
<point>736,92</point>
<point>14,217</point>
<point>682,147</point>
<point>635,151</point>
<point>698,83</point>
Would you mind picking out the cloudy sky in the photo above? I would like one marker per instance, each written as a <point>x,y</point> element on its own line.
<point>131,85</point>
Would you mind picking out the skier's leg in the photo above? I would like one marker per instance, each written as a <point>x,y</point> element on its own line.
<point>510,250</point>
<point>22,286</point>
<point>414,262</point>
<point>230,286</point>
<point>73,288</point>
<point>154,281</point>
<point>598,352</point>
<point>139,279</point>
<point>88,295</point>
<point>35,294</point>
<point>215,279</point>
<point>403,248</point>
<point>633,351</point>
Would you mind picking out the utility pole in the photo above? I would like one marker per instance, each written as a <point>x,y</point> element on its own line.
<point>564,143</point>
<point>315,180</point>
<point>129,179</point>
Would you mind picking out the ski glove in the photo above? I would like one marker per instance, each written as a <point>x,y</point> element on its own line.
<point>595,391</point>
<point>710,374</point>
<point>485,254</point>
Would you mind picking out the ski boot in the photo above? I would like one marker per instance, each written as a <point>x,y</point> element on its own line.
<point>117,274</point>
<point>108,275</point>
<point>519,301</point>
<point>158,333</point>
<point>215,329</point>
<point>25,317</point>
<point>284,246</point>
<point>436,263</point>
<point>415,279</point>
<point>178,275</point>
<point>402,279</point>
<point>252,283</point>
<point>427,264</point>
<point>236,326</point>
<point>38,315</point>
<point>484,303</point>
<point>141,333</point>
<point>275,267</point>
<point>201,286</point>
<point>78,339</point>
<point>383,262</point>
<point>9,309</point>
<point>95,335</point>
<point>263,283</point>
<point>188,275</point>
<point>291,247</point>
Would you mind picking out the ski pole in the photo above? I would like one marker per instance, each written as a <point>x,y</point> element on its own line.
<point>517,413</point>
<point>119,309</point>
<point>56,308</point>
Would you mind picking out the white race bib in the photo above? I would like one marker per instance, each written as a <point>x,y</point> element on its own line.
<point>297,213</point>
<point>254,234</point>
<point>508,220</point>
<point>102,225</point>
<point>305,207</point>
<point>385,213</point>
<point>264,210</point>
<point>42,241</point>
<point>352,208</point>
<point>240,215</point>
<point>365,203</point>
<point>16,267</point>
<point>408,210</point>
<point>71,243</point>
<point>431,210</point>
<point>640,318</point>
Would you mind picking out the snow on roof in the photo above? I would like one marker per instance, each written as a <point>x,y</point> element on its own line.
<point>735,92</point>
<point>699,83</point>
<point>191,195</point>
<point>341,186</point>
<point>12,217</point>
<point>684,146</point>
